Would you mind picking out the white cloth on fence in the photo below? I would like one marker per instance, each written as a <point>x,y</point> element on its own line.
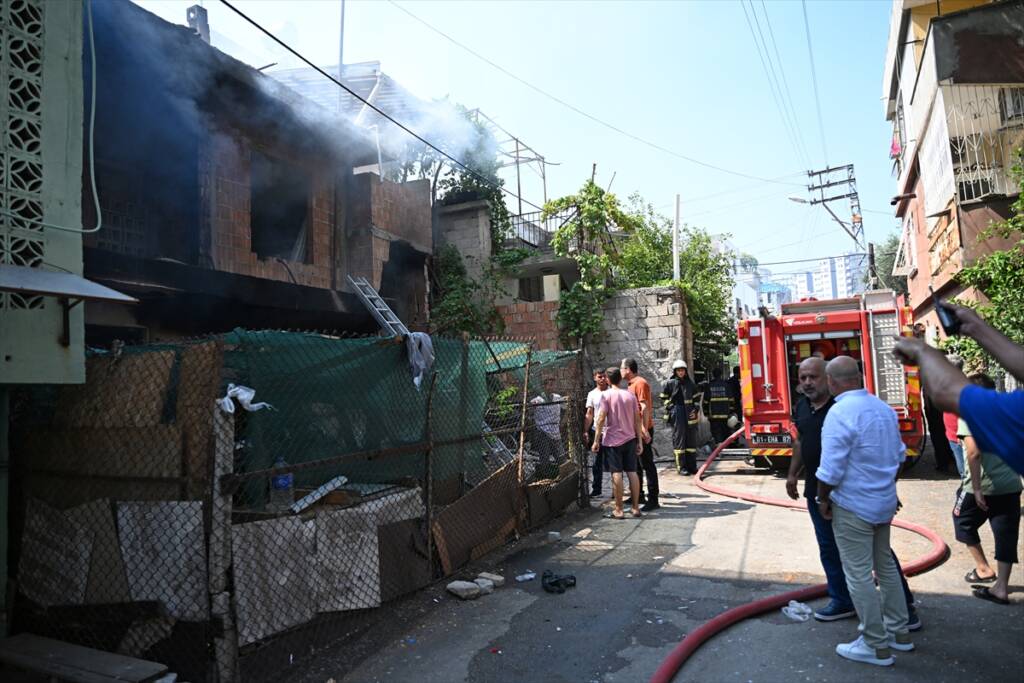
<point>244,396</point>
<point>421,355</point>
<point>548,415</point>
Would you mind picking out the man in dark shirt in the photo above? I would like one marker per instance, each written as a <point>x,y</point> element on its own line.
<point>809,418</point>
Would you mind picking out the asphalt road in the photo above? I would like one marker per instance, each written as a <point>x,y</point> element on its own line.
<point>643,584</point>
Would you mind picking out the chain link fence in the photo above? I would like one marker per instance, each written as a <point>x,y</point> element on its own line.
<point>226,506</point>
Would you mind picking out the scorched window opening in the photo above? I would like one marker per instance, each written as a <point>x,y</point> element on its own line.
<point>280,206</point>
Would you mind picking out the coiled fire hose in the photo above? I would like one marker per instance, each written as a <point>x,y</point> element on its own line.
<point>693,640</point>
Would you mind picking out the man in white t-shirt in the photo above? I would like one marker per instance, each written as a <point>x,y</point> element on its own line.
<point>593,404</point>
<point>547,419</point>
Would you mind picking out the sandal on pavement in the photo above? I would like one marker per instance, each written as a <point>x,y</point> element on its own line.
<point>637,513</point>
<point>613,515</point>
<point>984,593</point>
<point>972,577</point>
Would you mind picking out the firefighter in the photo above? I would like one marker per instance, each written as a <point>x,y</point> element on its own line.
<point>681,412</point>
<point>720,404</point>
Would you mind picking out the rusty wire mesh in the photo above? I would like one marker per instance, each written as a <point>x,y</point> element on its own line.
<point>228,539</point>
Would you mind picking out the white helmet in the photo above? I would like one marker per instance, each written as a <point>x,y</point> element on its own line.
<point>733,422</point>
<point>679,364</point>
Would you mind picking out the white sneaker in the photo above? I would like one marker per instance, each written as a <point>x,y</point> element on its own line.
<point>859,651</point>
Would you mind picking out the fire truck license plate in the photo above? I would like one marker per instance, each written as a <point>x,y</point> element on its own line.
<point>772,439</point>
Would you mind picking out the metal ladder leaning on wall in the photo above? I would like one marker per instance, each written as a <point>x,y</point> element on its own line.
<point>378,308</point>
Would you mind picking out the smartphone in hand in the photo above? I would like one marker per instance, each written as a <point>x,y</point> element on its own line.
<point>947,317</point>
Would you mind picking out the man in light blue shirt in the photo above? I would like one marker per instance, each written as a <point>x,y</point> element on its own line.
<point>861,452</point>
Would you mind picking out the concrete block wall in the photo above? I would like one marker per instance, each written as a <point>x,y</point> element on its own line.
<point>231,235</point>
<point>648,324</point>
<point>467,227</point>
<point>651,326</point>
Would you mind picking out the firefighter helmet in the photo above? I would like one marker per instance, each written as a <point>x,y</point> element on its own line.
<point>679,364</point>
<point>733,422</point>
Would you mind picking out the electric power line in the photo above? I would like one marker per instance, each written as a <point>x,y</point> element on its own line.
<point>769,72</point>
<point>487,181</point>
<point>581,112</point>
<point>814,81</point>
<point>785,81</point>
<point>822,258</point>
<point>734,205</point>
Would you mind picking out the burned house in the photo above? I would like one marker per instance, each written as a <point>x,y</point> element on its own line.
<point>228,200</point>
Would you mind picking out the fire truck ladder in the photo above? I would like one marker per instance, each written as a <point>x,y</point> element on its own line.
<point>379,309</point>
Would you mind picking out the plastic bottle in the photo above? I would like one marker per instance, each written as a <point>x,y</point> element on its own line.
<point>281,489</point>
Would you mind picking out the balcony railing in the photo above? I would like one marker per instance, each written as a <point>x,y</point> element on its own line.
<point>986,126</point>
<point>534,230</point>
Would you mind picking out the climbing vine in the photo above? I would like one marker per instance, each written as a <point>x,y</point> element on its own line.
<point>585,238</point>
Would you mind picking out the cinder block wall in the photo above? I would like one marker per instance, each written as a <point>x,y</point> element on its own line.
<point>651,326</point>
<point>467,227</point>
<point>647,324</point>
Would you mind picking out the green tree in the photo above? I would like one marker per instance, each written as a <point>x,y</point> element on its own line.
<point>707,281</point>
<point>748,263</point>
<point>706,275</point>
<point>585,238</point>
<point>645,257</point>
<point>1000,277</point>
<point>885,259</point>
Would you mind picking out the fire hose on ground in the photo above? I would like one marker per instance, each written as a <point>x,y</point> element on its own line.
<point>693,640</point>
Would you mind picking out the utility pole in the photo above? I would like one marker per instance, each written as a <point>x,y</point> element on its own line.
<point>821,192</point>
<point>872,274</point>
<point>519,180</point>
<point>675,244</point>
<point>341,64</point>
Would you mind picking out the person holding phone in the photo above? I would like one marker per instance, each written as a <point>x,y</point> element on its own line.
<point>996,419</point>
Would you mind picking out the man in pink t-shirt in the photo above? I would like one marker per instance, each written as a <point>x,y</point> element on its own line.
<point>620,433</point>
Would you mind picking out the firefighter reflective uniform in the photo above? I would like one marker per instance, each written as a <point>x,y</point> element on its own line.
<point>682,413</point>
<point>720,403</point>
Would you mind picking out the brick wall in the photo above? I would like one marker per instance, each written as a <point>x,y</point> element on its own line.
<point>402,209</point>
<point>533,319</point>
<point>388,238</point>
<point>230,222</point>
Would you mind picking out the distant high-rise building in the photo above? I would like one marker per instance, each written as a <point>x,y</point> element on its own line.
<point>801,285</point>
<point>839,277</point>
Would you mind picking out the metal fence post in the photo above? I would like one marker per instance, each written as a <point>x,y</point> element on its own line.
<point>428,479</point>
<point>522,416</point>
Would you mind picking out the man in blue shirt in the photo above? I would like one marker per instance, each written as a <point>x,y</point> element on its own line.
<point>861,453</point>
<point>996,420</point>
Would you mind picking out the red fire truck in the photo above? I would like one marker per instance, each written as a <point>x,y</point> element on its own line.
<point>771,349</point>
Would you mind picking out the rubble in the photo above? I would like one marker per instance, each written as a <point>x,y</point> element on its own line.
<point>467,590</point>
<point>486,586</point>
<point>496,579</point>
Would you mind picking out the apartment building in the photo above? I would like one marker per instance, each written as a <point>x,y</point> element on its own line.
<point>954,92</point>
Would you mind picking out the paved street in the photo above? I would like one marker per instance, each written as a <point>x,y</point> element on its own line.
<point>642,585</point>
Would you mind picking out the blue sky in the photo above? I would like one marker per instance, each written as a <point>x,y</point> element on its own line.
<point>685,75</point>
